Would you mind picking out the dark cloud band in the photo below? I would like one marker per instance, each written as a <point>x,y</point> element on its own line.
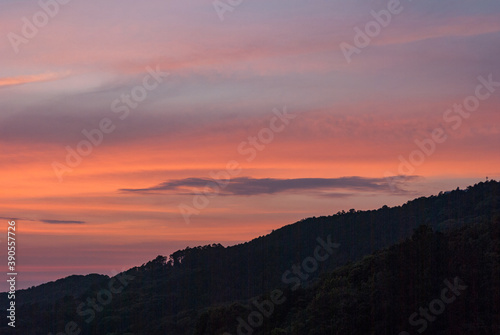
<point>254,186</point>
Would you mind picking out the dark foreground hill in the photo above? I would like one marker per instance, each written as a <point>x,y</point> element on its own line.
<point>442,284</point>
<point>180,294</point>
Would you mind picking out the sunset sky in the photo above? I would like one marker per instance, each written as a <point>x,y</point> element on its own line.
<point>260,96</point>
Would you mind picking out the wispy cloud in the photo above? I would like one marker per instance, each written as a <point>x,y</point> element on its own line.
<point>20,80</point>
<point>248,186</point>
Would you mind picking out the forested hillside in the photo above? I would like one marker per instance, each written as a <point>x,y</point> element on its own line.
<point>440,283</point>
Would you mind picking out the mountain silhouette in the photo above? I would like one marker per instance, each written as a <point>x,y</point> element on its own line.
<point>354,272</point>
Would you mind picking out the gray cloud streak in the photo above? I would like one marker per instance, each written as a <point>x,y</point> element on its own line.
<point>62,222</point>
<point>246,186</point>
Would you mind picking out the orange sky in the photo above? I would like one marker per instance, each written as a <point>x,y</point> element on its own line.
<point>267,90</point>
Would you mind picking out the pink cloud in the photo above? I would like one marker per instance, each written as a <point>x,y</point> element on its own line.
<point>28,79</point>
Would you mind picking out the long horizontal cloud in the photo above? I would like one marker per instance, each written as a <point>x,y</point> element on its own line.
<point>62,222</point>
<point>254,186</point>
<point>44,221</point>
